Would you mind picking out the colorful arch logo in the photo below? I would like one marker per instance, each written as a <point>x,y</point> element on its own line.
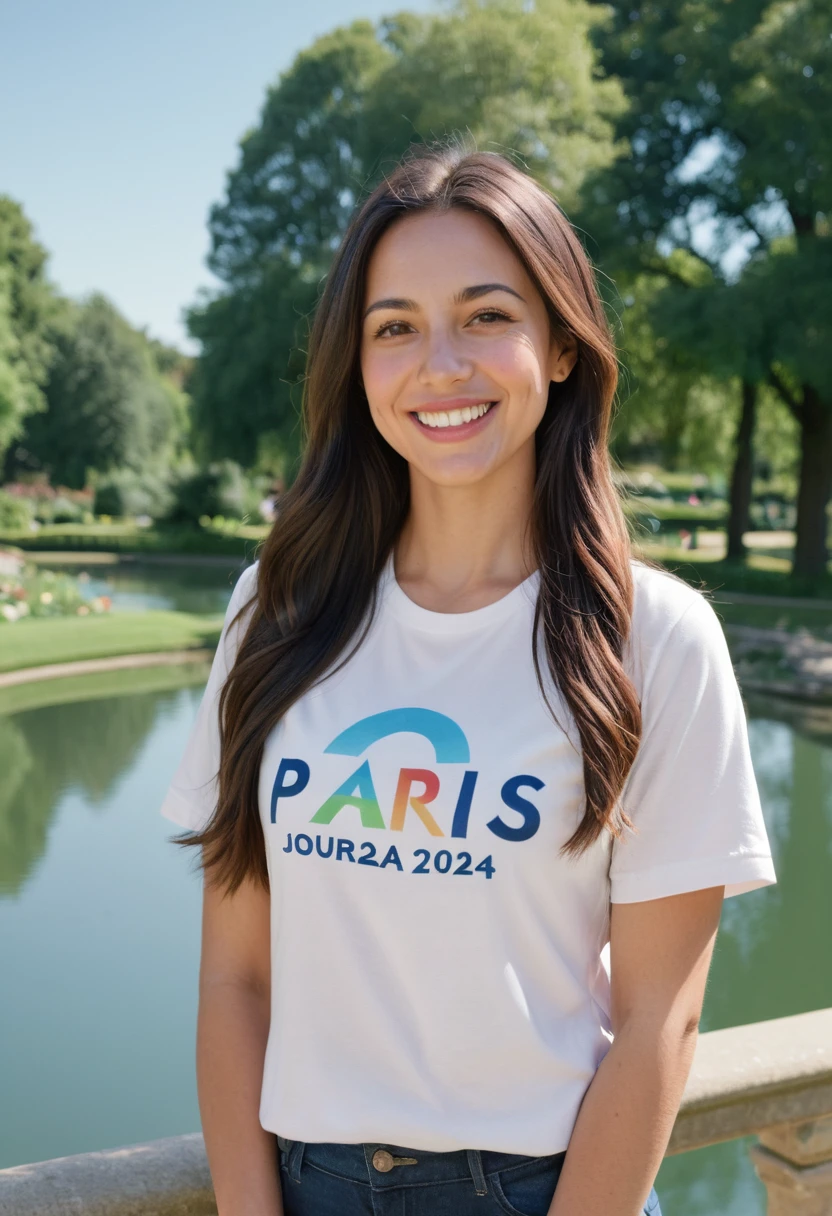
<point>450,745</point>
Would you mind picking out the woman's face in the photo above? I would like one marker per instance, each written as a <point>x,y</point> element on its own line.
<point>456,355</point>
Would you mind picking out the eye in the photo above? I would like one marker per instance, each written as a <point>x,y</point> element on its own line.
<point>391,329</point>
<point>491,316</point>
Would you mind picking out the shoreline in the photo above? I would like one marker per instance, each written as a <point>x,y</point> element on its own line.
<point>121,662</point>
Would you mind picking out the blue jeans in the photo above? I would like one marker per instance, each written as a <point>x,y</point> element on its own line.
<point>386,1180</point>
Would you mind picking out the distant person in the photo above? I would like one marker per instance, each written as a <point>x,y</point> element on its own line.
<point>465,746</point>
<point>268,508</point>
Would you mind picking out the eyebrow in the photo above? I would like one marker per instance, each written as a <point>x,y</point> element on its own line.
<point>400,304</point>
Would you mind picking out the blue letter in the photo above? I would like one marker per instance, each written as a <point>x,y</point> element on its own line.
<point>459,827</point>
<point>530,813</point>
<point>391,858</point>
<point>300,769</point>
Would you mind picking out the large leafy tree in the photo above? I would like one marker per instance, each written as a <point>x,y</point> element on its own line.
<point>107,404</point>
<point>27,301</point>
<point>731,149</point>
<point>507,73</point>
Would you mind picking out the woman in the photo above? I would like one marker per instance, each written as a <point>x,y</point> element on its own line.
<point>467,741</point>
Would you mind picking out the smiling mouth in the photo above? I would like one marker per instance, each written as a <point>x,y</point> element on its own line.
<point>444,418</point>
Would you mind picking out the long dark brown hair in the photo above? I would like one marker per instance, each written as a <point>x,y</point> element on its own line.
<point>338,523</point>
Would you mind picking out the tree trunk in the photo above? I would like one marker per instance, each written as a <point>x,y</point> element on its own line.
<point>810,551</point>
<point>739,519</point>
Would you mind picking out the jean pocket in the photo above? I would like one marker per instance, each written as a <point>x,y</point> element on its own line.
<point>528,1189</point>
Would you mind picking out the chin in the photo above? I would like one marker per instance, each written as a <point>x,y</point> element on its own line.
<point>452,474</point>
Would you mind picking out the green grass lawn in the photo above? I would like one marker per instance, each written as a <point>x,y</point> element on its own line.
<point>34,642</point>
<point>817,621</point>
<point>761,573</point>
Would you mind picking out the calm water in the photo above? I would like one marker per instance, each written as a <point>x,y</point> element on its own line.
<point>100,921</point>
<point>138,586</point>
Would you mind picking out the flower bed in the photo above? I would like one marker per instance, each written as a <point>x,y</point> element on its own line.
<point>26,590</point>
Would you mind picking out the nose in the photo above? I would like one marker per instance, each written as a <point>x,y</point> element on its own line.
<point>444,362</point>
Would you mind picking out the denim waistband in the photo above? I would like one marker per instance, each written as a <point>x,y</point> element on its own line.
<point>379,1164</point>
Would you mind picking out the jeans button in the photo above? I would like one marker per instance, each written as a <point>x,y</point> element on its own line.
<point>382,1160</point>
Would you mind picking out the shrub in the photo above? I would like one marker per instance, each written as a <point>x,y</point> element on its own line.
<point>126,492</point>
<point>220,489</point>
<point>60,510</point>
<point>16,514</point>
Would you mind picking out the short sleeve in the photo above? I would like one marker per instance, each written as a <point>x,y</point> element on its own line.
<point>191,797</point>
<point>691,794</point>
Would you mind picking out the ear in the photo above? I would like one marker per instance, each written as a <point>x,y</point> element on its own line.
<point>563,355</point>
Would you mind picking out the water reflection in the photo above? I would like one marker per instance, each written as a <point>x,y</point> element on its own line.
<point>99,926</point>
<point>85,747</point>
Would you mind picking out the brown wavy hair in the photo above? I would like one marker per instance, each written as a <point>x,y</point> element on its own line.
<point>338,523</point>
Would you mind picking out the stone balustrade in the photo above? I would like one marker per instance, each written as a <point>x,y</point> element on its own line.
<point>772,1079</point>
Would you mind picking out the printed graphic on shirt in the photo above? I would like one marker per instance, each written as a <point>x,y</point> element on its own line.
<point>416,789</point>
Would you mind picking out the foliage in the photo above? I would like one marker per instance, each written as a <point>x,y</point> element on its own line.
<point>730,162</point>
<point>60,509</point>
<point>220,489</point>
<point>26,304</point>
<point>108,406</point>
<point>16,513</point>
<point>508,74</point>
<point>126,492</point>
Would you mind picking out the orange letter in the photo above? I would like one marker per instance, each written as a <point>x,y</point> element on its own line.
<point>431,783</point>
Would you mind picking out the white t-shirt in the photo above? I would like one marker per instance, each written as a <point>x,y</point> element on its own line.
<point>437,979</point>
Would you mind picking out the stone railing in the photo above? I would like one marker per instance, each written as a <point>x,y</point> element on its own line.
<point>772,1079</point>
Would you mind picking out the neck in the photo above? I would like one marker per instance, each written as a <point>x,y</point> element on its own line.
<point>463,547</point>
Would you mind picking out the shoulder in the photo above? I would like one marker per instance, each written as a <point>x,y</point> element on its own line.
<point>245,588</point>
<point>244,596</point>
<point>670,618</point>
<point>662,601</point>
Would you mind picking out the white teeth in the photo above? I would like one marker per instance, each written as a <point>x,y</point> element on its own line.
<point>440,418</point>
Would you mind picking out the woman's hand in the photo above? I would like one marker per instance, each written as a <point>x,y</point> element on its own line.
<point>660,952</point>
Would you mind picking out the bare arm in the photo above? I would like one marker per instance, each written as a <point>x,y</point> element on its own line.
<point>660,952</point>
<point>232,1029</point>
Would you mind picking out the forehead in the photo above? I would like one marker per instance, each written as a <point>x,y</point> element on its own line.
<point>431,254</point>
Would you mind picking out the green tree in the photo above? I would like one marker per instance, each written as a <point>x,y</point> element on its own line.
<point>108,405</point>
<point>27,301</point>
<point>730,149</point>
<point>509,74</point>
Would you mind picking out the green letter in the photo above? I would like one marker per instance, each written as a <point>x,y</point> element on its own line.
<point>358,790</point>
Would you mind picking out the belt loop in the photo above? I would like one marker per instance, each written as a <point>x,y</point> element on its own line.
<point>475,1166</point>
<point>295,1160</point>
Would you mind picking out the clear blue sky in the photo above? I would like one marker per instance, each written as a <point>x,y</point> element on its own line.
<point>118,123</point>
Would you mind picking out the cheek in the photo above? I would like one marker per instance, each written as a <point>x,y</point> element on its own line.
<point>382,374</point>
<point>518,365</point>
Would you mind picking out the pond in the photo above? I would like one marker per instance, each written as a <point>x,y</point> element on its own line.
<point>100,920</point>
<point>136,585</point>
